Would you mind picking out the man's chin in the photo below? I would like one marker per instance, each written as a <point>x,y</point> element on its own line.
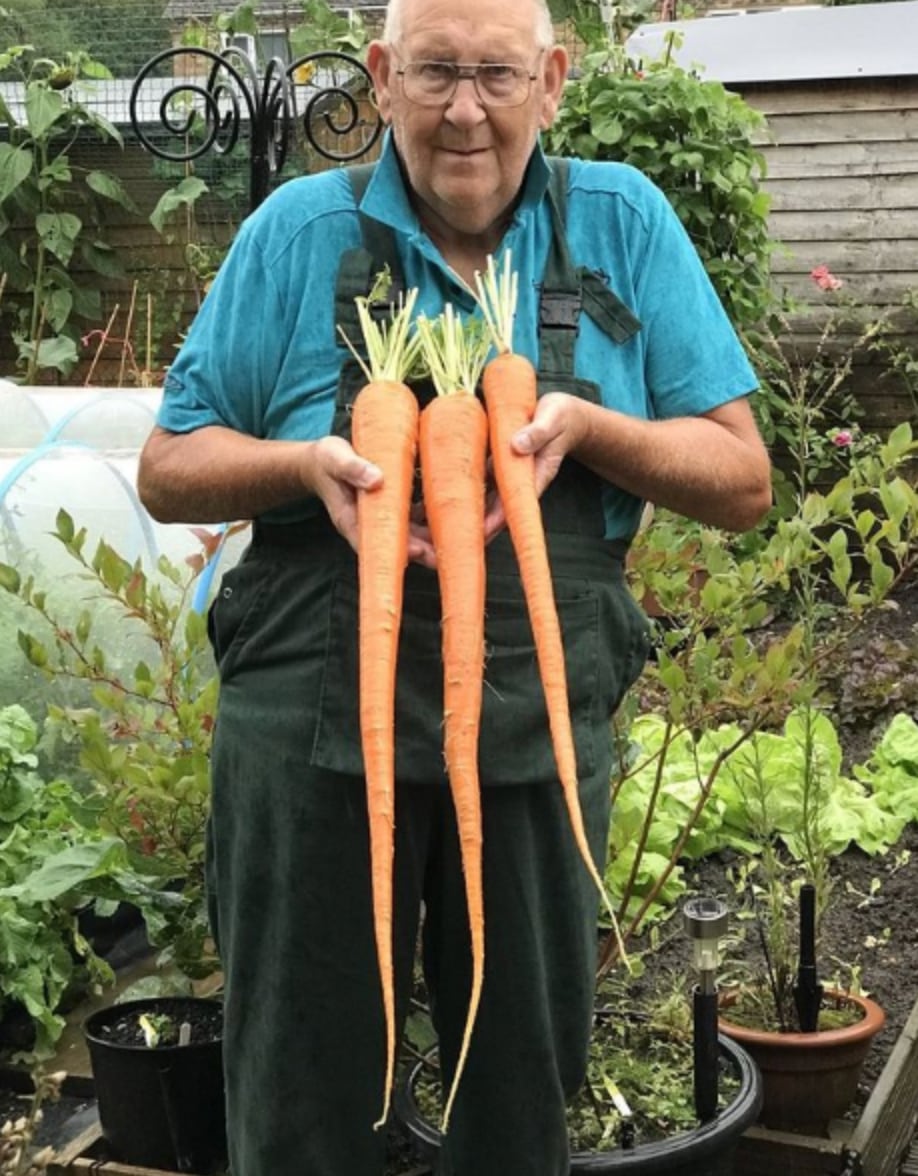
<point>468,212</point>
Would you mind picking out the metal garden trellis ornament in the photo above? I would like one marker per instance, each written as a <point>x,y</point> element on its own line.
<point>207,104</point>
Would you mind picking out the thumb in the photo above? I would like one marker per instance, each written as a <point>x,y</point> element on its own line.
<point>365,475</point>
<point>523,442</point>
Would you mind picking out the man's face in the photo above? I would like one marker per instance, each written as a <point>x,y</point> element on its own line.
<point>466,160</point>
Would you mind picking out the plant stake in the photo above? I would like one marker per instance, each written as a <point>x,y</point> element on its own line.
<point>807,990</point>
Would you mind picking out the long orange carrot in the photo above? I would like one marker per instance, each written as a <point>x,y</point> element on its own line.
<point>453,448</point>
<point>384,430</point>
<point>509,385</point>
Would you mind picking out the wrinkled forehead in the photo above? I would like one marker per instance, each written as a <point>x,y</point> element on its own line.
<point>476,29</point>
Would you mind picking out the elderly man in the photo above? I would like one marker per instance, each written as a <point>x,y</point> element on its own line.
<point>642,398</point>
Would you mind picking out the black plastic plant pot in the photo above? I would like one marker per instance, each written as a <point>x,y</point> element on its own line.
<point>707,1150</point>
<point>162,1106</point>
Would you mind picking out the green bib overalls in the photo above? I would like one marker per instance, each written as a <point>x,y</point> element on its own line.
<point>288,862</point>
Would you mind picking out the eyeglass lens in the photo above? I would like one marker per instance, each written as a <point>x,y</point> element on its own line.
<point>435,82</point>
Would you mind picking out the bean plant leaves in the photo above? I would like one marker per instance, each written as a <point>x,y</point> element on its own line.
<point>184,193</point>
<point>111,188</point>
<point>68,870</point>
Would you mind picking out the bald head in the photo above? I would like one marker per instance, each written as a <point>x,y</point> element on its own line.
<point>543,29</point>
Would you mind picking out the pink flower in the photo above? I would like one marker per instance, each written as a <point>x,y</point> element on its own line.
<point>843,438</point>
<point>825,279</point>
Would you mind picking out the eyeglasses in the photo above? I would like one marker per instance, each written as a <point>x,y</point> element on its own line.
<point>433,83</point>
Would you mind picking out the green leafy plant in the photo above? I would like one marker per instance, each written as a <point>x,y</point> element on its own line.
<point>323,28</point>
<point>696,140</point>
<point>49,865</point>
<point>143,740</point>
<point>750,635</point>
<point>158,1029</point>
<point>724,673</point>
<point>757,793</point>
<point>43,192</point>
<point>891,771</point>
<point>594,24</point>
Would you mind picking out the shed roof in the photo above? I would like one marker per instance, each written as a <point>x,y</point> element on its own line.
<point>792,44</point>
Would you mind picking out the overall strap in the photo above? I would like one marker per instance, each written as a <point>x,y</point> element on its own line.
<point>573,502</point>
<point>569,289</point>
<point>561,298</point>
<point>359,267</point>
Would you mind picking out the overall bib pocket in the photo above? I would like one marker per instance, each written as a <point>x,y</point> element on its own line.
<point>515,744</point>
<point>419,689</point>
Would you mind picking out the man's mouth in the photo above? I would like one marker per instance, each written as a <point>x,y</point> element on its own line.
<point>466,152</point>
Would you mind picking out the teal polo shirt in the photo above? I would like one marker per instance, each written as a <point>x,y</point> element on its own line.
<point>263,354</point>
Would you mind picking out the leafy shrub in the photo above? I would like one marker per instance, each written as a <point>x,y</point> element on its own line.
<point>49,864</point>
<point>696,141</point>
<point>143,741</point>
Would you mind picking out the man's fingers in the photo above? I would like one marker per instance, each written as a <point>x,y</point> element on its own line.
<point>361,474</point>
<point>340,462</point>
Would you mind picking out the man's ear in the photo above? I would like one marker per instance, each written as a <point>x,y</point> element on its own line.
<point>379,63</point>
<point>554,75</point>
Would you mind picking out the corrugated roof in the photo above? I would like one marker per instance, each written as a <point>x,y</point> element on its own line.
<point>792,44</point>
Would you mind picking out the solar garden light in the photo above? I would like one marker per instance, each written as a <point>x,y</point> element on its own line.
<point>705,921</point>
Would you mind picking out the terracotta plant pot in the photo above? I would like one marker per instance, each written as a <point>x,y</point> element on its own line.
<point>706,1150</point>
<point>809,1079</point>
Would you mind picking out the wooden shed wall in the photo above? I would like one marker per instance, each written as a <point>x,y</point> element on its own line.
<point>843,176</point>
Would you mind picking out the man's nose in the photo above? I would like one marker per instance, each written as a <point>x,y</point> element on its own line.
<point>466,106</point>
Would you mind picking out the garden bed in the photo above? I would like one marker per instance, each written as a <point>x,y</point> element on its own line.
<point>870,926</point>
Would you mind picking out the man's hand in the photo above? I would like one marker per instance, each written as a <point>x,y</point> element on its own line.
<point>336,475</point>
<point>553,432</point>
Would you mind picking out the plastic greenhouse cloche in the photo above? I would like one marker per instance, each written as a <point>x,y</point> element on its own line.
<point>22,422</point>
<point>78,449</point>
